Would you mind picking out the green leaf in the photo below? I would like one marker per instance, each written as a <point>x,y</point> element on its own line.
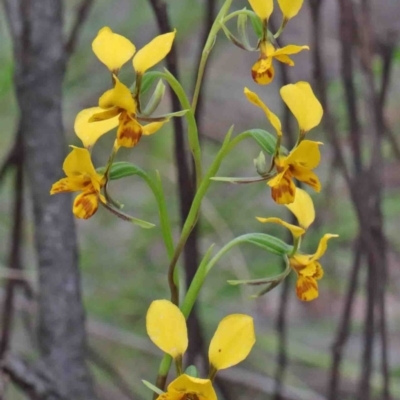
<point>148,80</point>
<point>240,179</point>
<point>267,242</point>
<point>152,387</point>
<point>174,114</point>
<point>266,140</point>
<point>242,30</point>
<point>155,98</point>
<point>127,217</point>
<point>191,370</point>
<point>121,169</point>
<point>257,25</point>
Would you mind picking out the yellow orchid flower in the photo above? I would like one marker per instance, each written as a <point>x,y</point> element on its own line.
<point>309,270</point>
<point>307,267</point>
<point>186,387</point>
<point>116,108</point>
<point>115,50</point>
<point>81,176</point>
<point>299,165</point>
<point>231,344</point>
<point>306,156</point>
<point>263,70</point>
<point>290,8</point>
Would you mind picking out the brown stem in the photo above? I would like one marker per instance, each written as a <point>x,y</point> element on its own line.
<point>281,320</point>
<point>343,330</point>
<point>186,188</point>
<point>377,267</point>
<point>281,330</point>
<point>81,16</point>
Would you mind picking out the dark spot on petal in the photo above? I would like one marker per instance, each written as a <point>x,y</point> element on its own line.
<point>190,396</point>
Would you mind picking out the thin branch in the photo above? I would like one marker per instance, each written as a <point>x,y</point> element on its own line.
<point>343,330</point>
<point>281,329</point>
<point>377,268</point>
<point>117,379</point>
<point>347,34</point>
<point>81,16</point>
<point>32,382</point>
<point>14,261</point>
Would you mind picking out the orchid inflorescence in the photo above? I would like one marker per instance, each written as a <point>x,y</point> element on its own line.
<point>121,107</point>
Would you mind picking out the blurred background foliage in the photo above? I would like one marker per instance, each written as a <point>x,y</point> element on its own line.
<point>124,267</point>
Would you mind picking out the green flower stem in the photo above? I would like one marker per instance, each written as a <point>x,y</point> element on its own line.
<point>237,14</point>
<point>193,135</point>
<point>156,188</point>
<point>296,246</point>
<point>202,271</point>
<point>207,49</point>
<point>281,28</point>
<point>109,199</point>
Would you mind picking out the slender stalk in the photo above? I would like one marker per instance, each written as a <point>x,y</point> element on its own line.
<point>207,49</point>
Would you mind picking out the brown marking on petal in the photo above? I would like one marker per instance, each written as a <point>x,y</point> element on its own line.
<point>84,208</point>
<point>319,272</point>
<point>313,181</point>
<point>304,289</point>
<point>61,187</point>
<point>279,168</point>
<point>190,396</point>
<point>132,135</point>
<point>259,75</point>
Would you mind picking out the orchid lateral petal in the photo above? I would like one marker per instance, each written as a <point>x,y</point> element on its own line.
<point>289,49</point>
<point>166,327</point>
<point>295,230</point>
<point>232,341</point>
<point>322,246</point>
<point>70,184</point>
<point>304,105</point>
<point>273,119</point>
<point>112,49</point>
<point>153,52</point>
<point>153,127</point>
<point>302,208</point>
<point>90,132</point>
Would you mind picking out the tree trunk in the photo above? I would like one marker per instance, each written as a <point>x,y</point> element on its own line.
<point>36,29</point>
